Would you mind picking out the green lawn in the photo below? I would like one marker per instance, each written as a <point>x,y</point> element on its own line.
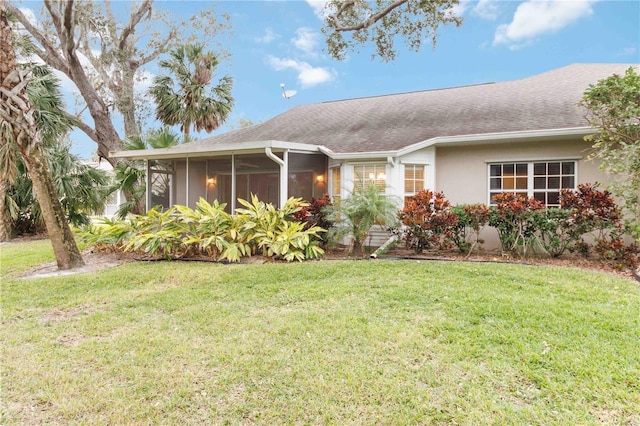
<point>329,342</point>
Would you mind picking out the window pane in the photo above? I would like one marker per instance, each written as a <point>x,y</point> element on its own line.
<point>495,170</point>
<point>553,198</point>
<point>553,183</point>
<point>568,168</point>
<point>508,183</point>
<point>521,183</point>
<point>540,196</point>
<point>496,183</point>
<point>367,174</point>
<point>409,186</point>
<point>568,182</point>
<point>539,183</point>
<point>521,169</point>
<point>540,169</point>
<point>335,183</point>
<point>554,169</point>
<point>508,169</point>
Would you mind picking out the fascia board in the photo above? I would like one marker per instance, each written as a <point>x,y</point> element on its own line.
<point>183,151</point>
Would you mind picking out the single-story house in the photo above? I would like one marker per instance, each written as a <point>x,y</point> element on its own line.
<point>470,142</point>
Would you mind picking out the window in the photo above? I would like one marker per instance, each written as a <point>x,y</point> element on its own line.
<point>364,174</point>
<point>542,180</point>
<point>336,184</point>
<point>413,179</point>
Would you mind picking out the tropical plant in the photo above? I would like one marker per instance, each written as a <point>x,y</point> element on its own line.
<point>316,213</point>
<point>357,214</point>
<point>275,234</point>
<point>186,96</point>
<point>209,231</point>
<point>513,217</point>
<point>557,230</point>
<point>595,214</point>
<point>472,218</point>
<point>428,221</point>
<point>83,188</point>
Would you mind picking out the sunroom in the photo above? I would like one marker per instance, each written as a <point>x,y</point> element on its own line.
<point>271,170</point>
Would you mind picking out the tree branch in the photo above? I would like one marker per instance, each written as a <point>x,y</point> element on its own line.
<point>366,23</point>
<point>70,45</point>
<point>136,17</point>
<point>133,64</point>
<point>50,54</point>
<point>88,130</point>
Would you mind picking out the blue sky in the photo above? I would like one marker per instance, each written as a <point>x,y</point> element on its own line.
<point>276,42</point>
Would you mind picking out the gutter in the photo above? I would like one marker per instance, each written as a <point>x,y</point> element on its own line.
<point>274,157</point>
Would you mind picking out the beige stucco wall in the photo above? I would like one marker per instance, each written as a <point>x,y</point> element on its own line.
<point>461,171</point>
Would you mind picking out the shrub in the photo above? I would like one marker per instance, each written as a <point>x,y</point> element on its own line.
<point>514,219</point>
<point>429,221</point>
<point>472,218</point>
<point>276,235</point>
<point>316,213</point>
<point>556,231</point>
<point>209,231</point>
<point>594,213</point>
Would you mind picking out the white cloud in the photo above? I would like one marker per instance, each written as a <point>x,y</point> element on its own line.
<point>306,40</point>
<point>487,9</point>
<point>534,18</point>
<point>268,37</point>
<point>308,76</point>
<point>318,7</point>
<point>460,8</point>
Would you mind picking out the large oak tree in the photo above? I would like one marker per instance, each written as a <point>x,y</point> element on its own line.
<point>353,23</point>
<point>104,55</point>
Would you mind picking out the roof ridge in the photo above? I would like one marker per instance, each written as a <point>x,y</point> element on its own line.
<point>408,93</point>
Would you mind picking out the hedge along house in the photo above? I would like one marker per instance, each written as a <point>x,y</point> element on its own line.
<point>470,142</point>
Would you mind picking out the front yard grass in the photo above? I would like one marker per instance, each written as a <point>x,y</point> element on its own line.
<point>329,342</point>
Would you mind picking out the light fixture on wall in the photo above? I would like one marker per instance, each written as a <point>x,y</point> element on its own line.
<point>211,181</point>
<point>320,178</point>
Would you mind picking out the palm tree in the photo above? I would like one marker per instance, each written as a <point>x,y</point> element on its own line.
<point>16,191</point>
<point>186,96</point>
<point>357,214</point>
<point>19,127</point>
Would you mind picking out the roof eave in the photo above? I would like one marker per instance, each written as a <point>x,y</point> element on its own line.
<point>183,151</point>
<point>498,137</point>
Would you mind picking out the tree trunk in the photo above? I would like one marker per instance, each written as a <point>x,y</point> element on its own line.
<point>5,221</point>
<point>17,114</point>
<point>62,239</point>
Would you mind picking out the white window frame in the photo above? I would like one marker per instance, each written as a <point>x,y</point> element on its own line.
<point>378,167</point>
<point>530,175</point>
<point>404,178</point>
<point>335,188</point>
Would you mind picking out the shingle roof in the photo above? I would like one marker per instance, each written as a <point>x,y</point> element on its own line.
<point>392,122</point>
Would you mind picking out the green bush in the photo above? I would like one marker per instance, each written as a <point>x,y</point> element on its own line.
<point>472,218</point>
<point>209,231</point>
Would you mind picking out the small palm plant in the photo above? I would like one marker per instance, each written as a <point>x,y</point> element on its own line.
<point>356,215</point>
